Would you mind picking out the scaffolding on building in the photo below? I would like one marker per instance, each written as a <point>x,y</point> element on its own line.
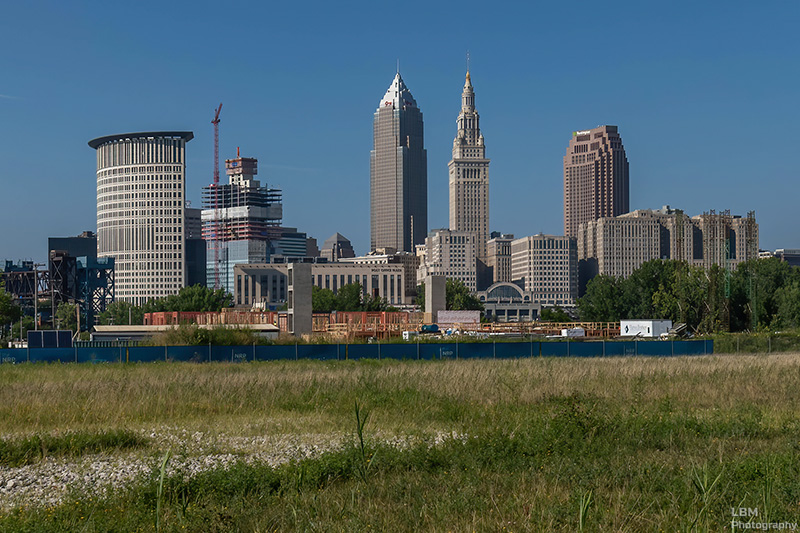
<point>242,210</point>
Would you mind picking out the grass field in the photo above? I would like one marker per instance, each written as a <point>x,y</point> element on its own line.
<point>554,444</point>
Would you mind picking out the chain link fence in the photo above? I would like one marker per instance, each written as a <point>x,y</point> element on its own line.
<point>756,343</point>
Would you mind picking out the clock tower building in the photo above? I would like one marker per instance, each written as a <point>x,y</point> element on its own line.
<point>469,175</point>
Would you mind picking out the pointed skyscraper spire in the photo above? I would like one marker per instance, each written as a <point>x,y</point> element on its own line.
<point>398,95</point>
<point>469,176</point>
<point>468,96</point>
<point>398,172</point>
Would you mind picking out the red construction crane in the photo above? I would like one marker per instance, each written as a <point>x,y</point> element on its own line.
<point>216,237</point>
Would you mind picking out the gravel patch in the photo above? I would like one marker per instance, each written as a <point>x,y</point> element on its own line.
<point>50,481</point>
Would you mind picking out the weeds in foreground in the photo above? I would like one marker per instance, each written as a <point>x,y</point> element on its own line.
<point>366,458</point>
<point>583,510</point>
<point>486,482</point>
<point>704,487</point>
<point>30,450</point>
<point>160,493</point>
<point>766,492</point>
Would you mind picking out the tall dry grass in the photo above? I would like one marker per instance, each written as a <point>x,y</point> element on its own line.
<point>411,396</point>
<point>660,444</point>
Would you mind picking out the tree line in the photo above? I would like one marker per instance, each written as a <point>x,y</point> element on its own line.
<point>194,298</point>
<point>758,294</point>
<point>349,297</point>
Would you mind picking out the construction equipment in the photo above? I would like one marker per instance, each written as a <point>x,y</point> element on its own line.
<point>216,235</point>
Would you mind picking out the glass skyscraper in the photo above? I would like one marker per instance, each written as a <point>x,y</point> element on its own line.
<point>398,172</point>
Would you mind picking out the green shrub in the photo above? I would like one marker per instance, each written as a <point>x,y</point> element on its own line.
<point>32,449</point>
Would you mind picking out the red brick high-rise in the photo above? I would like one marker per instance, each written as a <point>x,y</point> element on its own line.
<point>595,177</point>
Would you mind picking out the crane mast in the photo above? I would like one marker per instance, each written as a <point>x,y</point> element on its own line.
<point>217,236</point>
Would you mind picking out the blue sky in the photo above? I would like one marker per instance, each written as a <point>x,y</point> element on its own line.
<point>704,94</point>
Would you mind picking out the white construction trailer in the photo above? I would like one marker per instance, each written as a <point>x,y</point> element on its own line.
<point>647,328</point>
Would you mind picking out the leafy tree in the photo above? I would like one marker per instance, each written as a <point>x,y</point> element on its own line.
<point>67,316</point>
<point>555,314</point>
<point>603,300</point>
<point>322,300</point>
<point>458,297</point>
<point>370,303</point>
<point>122,313</point>
<point>9,312</point>
<point>657,289</point>
<point>755,289</point>
<point>640,287</point>
<point>193,335</point>
<point>349,298</point>
<point>196,298</point>
<point>692,286</point>
<point>713,300</point>
<point>762,291</point>
<point>26,323</point>
<point>681,295</point>
<point>419,299</point>
<point>788,299</point>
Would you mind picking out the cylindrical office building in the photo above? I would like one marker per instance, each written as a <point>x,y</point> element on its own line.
<point>141,180</point>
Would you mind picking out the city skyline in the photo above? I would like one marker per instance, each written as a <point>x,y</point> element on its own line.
<point>80,73</point>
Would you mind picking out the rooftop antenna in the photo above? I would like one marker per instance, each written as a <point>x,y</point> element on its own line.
<point>467,60</point>
<point>398,65</point>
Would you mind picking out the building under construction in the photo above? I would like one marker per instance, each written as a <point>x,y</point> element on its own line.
<point>239,221</point>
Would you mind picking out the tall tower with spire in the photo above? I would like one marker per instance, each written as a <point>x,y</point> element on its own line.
<point>469,175</point>
<point>398,172</point>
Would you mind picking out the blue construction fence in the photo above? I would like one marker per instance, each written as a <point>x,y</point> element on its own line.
<point>341,352</point>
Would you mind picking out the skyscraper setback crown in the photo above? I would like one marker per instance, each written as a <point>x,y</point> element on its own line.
<point>398,172</point>
<point>596,180</point>
<point>398,94</point>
